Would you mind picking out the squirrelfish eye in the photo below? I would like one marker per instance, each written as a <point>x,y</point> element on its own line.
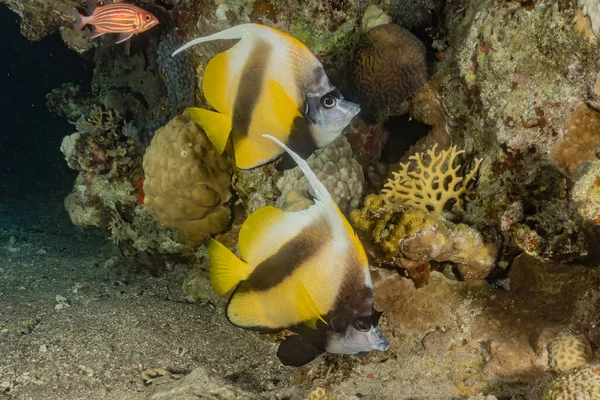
<point>147,18</point>
<point>328,101</point>
<point>362,325</point>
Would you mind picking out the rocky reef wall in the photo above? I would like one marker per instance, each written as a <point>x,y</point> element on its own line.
<point>484,292</point>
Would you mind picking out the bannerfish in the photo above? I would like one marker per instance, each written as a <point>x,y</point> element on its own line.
<point>125,19</point>
<point>251,84</point>
<point>305,271</point>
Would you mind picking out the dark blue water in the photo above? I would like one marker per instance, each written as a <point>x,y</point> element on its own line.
<point>30,159</point>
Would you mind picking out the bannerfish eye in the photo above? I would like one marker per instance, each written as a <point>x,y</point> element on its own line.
<point>362,325</point>
<point>328,101</point>
<point>147,18</point>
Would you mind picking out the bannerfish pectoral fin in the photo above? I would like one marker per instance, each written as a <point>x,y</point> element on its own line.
<point>275,113</point>
<point>216,126</point>
<point>306,308</point>
<point>216,80</point>
<point>296,351</point>
<point>282,106</point>
<point>226,270</point>
<point>122,37</point>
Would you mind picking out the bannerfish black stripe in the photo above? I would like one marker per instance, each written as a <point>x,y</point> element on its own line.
<point>301,141</point>
<point>354,296</point>
<point>272,271</point>
<point>251,86</point>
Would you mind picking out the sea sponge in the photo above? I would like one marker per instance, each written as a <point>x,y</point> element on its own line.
<point>391,65</point>
<point>583,384</point>
<point>430,186</point>
<point>187,181</point>
<point>569,350</point>
<point>336,167</point>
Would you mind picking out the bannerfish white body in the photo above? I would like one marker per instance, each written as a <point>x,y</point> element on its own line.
<point>266,73</point>
<point>306,271</point>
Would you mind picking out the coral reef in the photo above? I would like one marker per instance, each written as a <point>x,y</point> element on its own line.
<point>569,350</point>
<point>412,238</point>
<point>582,384</point>
<point>591,8</point>
<point>586,191</point>
<point>186,182</point>
<point>336,167</point>
<point>581,142</point>
<point>107,163</point>
<point>416,14</point>
<point>503,335</point>
<point>431,184</point>
<point>391,65</point>
<point>515,83</point>
<point>256,187</point>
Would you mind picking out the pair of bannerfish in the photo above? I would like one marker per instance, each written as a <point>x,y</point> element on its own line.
<point>305,271</point>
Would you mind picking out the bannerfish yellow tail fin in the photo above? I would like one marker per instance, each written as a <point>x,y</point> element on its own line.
<point>216,125</point>
<point>306,307</point>
<point>226,270</point>
<point>235,32</point>
<point>216,81</point>
<point>275,114</point>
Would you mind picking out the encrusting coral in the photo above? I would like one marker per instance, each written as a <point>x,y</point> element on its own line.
<point>411,238</point>
<point>430,186</point>
<point>569,350</point>
<point>187,182</point>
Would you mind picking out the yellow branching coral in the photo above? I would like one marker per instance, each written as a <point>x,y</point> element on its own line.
<point>430,186</point>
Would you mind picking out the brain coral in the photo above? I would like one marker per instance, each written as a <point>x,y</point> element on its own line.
<point>391,65</point>
<point>336,167</point>
<point>569,350</point>
<point>187,181</point>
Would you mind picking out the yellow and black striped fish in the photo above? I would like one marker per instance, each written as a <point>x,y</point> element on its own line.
<point>269,82</point>
<point>306,271</point>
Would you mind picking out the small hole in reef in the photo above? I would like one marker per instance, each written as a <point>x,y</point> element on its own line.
<point>404,132</point>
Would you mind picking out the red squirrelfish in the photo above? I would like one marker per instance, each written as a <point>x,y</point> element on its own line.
<point>121,18</point>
